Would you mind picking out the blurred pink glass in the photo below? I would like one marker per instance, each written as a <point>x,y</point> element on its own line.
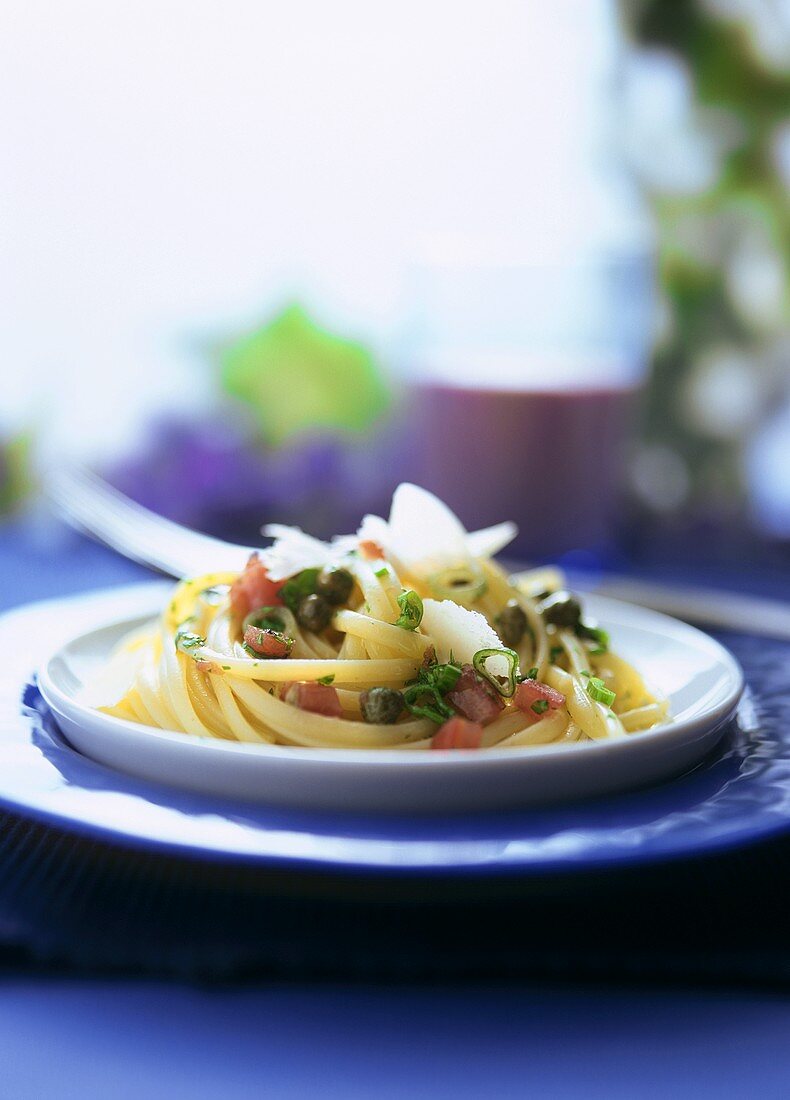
<point>524,383</point>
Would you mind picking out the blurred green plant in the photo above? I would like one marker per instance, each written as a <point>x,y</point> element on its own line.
<point>720,364</point>
<point>296,377</point>
<point>16,479</point>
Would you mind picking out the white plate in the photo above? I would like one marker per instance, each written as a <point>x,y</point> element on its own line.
<point>701,679</point>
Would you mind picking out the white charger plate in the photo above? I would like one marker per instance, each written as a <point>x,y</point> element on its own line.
<point>701,679</point>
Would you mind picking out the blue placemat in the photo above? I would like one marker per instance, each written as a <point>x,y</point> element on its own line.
<point>70,902</point>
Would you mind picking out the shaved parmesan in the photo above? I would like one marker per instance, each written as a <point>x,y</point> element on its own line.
<point>490,540</point>
<point>423,535</point>
<point>458,631</point>
<point>293,551</point>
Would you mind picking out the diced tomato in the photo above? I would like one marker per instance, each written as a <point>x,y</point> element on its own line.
<point>474,698</point>
<point>370,550</point>
<point>268,643</point>
<point>458,733</point>
<point>531,692</point>
<point>253,589</point>
<point>315,697</point>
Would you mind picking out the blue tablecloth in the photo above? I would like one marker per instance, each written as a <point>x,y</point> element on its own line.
<point>67,1040</point>
<point>67,1033</point>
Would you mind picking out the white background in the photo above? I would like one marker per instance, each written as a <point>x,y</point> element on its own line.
<point>171,171</point>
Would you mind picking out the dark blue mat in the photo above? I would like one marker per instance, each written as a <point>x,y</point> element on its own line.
<point>76,903</point>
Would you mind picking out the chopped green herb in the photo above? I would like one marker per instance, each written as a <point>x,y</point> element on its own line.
<point>425,701</point>
<point>540,706</point>
<point>445,676</point>
<point>325,679</point>
<point>594,634</point>
<point>411,611</point>
<point>382,572</point>
<point>555,652</point>
<point>532,674</point>
<point>439,677</point>
<point>296,588</point>
<point>266,618</point>
<point>187,640</point>
<point>226,668</point>
<point>598,691</point>
<point>424,696</point>
<point>505,685</point>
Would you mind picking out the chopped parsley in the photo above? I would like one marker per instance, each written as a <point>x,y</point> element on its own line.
<point>266,618</point>
<point>540,706</point>
<point>187,640</point>
<point>325,679</point>
<point>296,588</point>
<point>424,696</point>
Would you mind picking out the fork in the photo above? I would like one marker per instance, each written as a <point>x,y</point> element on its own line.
<point>86,502</point>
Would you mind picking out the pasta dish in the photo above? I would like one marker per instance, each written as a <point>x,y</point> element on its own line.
<point>407,635</point>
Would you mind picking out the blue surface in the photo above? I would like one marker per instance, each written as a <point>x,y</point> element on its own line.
<point>82,1039</point>
<point>64,1040</point>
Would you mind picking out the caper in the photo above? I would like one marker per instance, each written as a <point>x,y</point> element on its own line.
<point>561,609</point>
<point>381,705</point>
<point>314,613</point>
<point>511,624</point>
<point>334,585</point>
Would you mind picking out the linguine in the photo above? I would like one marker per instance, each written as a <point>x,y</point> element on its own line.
<point>406,636</point>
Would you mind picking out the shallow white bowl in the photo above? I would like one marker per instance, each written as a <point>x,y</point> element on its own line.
<point>701,679</point>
